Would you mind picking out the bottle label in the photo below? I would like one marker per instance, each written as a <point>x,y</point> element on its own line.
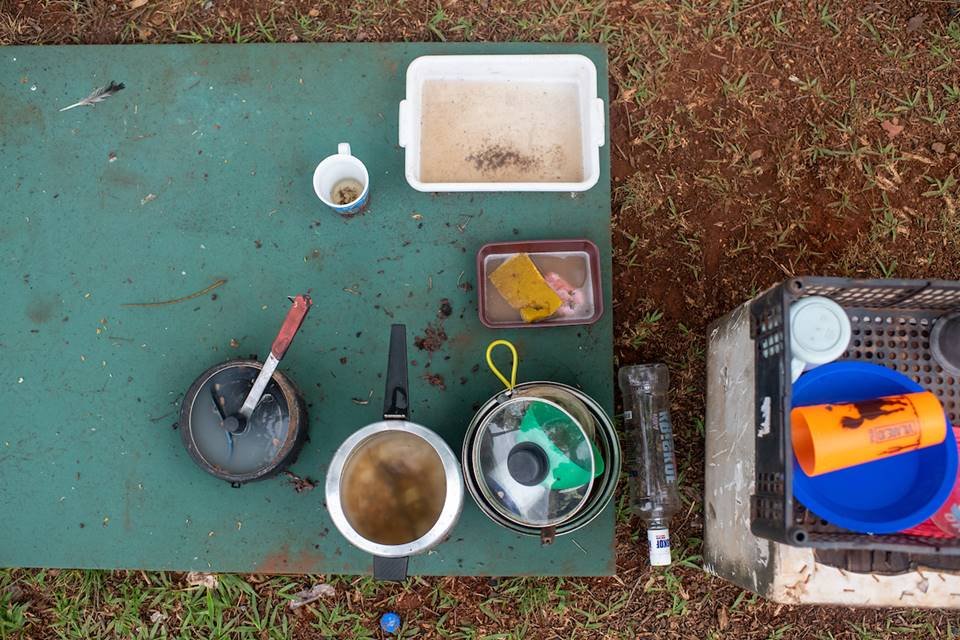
<point>666,443</point>
<point>659,540</point>
<point>659,547</point>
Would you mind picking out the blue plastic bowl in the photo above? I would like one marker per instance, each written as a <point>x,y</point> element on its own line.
<point>884,496</point>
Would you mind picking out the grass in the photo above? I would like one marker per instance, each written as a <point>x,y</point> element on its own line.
<point>644,329</point>
<point>735,88</point>
<point>702,222</point>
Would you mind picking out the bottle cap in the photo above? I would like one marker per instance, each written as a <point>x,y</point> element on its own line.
<point>659,547</point>
<point>390,622</point>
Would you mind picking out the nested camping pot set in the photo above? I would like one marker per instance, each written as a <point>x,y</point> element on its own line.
<point>538,458</point>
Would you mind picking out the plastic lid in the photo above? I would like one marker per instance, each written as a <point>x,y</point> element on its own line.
<point>534,462</point>
<point>819,330</point>
<point>566,400</point>
<point>236,447</point>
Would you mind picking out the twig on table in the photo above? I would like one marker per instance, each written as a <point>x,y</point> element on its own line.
<point>218,283</point>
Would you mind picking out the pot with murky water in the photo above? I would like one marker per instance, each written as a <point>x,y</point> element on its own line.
<point>394,488</point>
<point>243,420</point>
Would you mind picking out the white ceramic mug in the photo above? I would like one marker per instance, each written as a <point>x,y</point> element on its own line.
<point>341,182</point>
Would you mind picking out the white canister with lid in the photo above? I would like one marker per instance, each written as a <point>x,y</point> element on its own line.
<point>819,333</point>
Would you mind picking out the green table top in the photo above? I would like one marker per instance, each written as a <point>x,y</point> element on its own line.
<point>200,170</point>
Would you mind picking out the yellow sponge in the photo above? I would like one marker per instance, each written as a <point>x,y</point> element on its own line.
<point>521,284</point>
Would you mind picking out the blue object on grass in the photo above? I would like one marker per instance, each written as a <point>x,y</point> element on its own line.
<point>390,622</point>
<point>884,496</point>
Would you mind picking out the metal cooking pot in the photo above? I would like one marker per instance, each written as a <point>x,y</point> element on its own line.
<point>243,420</point>
<point>540,458</point>
<point>272,438</point>
<point>394,488</point>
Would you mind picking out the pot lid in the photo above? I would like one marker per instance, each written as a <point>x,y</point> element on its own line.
<point>566,400</point>
<point>232,448</point>
<point>534,462</point>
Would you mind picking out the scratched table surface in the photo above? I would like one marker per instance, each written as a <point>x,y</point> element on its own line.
<point>197,173</point>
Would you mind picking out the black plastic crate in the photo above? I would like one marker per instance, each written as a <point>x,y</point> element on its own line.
<point>891,322</point>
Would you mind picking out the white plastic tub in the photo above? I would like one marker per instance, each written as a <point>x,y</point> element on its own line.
<point>502,123</point>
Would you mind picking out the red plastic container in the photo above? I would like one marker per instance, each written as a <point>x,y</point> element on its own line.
<point>945,523</point>
<point>576,261</point>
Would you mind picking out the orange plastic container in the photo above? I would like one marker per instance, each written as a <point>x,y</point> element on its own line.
<point>829,437</point>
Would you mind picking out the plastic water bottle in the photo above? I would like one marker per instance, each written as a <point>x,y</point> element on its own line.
<point>650,462</point>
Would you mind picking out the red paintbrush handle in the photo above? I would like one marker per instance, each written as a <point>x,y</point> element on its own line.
<point>301,304</point>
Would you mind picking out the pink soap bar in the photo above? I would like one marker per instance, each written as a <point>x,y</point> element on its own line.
<point>573,299</point>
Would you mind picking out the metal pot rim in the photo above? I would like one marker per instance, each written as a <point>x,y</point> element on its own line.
<point>452,504</point>
<point>485,489</point>
<point>603,487</point>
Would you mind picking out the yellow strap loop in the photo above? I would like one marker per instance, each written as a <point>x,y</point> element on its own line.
<point>512,382</point>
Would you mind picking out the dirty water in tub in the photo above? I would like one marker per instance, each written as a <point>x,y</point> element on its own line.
<point>500,132</point>
<point>571,267</point>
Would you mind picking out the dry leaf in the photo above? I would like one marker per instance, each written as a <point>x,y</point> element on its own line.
<point>723,620</point>
<point>13,593</point>
<point>884,183</point>
<point>157,616</point>
<point>917,157</point>
<point>916,22</point>
<point>313,13</point>
<point>627,94</point>
<point>938,147</point>
<point>893,129</point>
<point>315,592</point>
<point>756,155</point>
<point>136,4</point>
<point>198,579</point>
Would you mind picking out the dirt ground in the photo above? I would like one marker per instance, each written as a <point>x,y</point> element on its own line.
<point>751,141</point>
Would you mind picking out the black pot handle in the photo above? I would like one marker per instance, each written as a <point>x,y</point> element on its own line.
<point>392,569</point>
<point>396,402</point>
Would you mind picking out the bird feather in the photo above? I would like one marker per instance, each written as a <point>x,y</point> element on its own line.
<point>99,95</point>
